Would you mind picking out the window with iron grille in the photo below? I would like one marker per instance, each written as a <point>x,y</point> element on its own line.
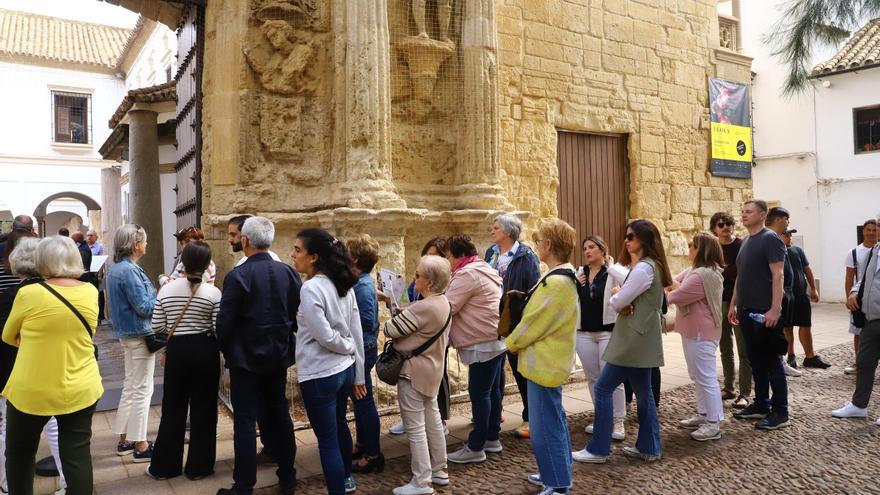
<point>867,129</point>
<point>71,117</point>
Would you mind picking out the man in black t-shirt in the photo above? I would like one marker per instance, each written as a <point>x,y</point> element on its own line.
<point>756,306</point>
<point>805,292</point>
<point>778,221</point>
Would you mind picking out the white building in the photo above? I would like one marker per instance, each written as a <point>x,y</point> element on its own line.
<point>805,157</point>
<point>64,80</point>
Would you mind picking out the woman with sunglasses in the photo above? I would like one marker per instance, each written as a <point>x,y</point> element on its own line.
<point>635,347</point>
<point>697,292</point>
<point>597,321</point>
<point>184,237</point>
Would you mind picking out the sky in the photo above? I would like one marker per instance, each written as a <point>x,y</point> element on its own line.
<point>80,10</point>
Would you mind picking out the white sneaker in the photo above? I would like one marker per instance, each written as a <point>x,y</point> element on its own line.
<point>586,456</point>
<point>707,431</point>
<point>410,489</point>
<point>589,429</point>
<point>397,429</point>
<point>619,432</point>
<point>440,477</point>
<point>789,371</point>
<point>465,455</point>
<point>60,491</point>
<point>535,479</point>
<point>493,446</point>
<point>850,411</point>
<point>693,422</point>
<point>850,370</point>
<point>877,422</point>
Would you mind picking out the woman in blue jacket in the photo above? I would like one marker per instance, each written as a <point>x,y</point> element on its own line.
<point>132,298</point>
<point>520,270</point>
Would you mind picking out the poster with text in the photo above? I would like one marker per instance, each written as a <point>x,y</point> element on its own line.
<point>731,129</point>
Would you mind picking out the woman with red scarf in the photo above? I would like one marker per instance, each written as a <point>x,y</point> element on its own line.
<point>474,292</point>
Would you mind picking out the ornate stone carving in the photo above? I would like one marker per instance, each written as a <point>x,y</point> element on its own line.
<point>282,58</point>
<point>293,131</point>
<point>424,57</point>
<point>303,14</point>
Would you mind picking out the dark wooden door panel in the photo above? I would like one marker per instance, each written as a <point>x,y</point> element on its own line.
<point>190,41</point>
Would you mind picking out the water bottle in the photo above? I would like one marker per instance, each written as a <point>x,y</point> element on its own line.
<point>758,317</point>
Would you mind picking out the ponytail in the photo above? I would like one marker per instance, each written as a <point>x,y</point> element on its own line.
<point>196,257</point>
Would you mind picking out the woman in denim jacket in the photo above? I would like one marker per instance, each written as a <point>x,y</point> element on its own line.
<point>132,298</point>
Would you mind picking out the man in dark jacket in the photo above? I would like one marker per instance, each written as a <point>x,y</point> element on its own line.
<point>256,328</point>
<point>520,270</point>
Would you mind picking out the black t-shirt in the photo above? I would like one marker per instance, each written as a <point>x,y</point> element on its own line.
<point>730,252</point>
<point>798,260</point>
<point>787,274</point>
<point>592,303</point>
<point>754,279</point>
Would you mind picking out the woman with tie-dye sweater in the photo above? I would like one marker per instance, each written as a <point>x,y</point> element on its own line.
<point>545,341</point>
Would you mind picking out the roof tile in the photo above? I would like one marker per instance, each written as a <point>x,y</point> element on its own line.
<point>861,50</point>
<point>61,40</point>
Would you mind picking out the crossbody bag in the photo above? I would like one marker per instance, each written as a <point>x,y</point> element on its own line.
<point>390,362</point>
<point>157,341</point>
<point>858,316</point>
<point>76,312</point>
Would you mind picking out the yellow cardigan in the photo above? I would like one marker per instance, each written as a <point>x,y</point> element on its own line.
<point>55,371</point>
<point>545,337</point>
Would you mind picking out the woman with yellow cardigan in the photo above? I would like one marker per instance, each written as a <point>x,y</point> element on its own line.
<point>544,340</point>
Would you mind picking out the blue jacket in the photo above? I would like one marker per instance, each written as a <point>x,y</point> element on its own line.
<point>132,298</point>
<point>368,307</point>
<point>256,324</point>
<point>524,269</point>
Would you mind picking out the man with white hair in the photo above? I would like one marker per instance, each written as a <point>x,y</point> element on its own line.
<point>256,328</point>
<point>96,247</point>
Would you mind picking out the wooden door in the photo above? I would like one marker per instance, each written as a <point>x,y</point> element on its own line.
<point>190,41</point>
<point>593,187</point>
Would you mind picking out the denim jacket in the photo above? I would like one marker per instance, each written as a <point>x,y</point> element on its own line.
<point>368,307</point>
<point>132,298</point>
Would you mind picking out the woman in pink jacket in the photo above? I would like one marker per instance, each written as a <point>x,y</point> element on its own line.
<point>697,292</point>
<point>474,292</point>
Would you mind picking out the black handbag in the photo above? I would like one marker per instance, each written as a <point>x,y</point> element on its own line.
<point>390,362</point>
<point>157,341</point>
<point>858,316</point>
<point>77,313</point>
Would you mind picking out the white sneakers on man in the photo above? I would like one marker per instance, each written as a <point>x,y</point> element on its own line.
<point>707,431</point>
<point>789,371</point>
<point>850,411</point>
<point>410,489</point>
<point>493,446</point>
<point>464,455</point>
<point>693,422</point>
<point>440,477</point>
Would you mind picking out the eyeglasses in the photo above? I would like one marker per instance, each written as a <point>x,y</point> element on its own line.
<point>721,225</point>
<point>539,241</point>
<point>629,236</point>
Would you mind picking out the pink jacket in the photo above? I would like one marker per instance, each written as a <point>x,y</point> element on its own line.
<point>698,324</point>
<point>474,292</point>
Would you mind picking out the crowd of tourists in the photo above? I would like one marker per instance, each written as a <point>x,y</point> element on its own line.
<point>496,308</point>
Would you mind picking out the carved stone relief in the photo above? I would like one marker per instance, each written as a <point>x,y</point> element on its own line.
<point>282,58</point>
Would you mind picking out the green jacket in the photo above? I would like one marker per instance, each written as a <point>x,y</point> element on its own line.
<point>636,341</point>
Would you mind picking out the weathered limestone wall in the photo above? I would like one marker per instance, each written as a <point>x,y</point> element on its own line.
<point>616,66</point>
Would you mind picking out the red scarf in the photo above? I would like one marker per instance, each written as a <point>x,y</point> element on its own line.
<point>463,262</point>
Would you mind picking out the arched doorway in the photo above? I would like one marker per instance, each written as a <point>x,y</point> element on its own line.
<point>92,206</point>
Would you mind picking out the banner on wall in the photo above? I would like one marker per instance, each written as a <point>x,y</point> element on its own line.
<point>731,129</point>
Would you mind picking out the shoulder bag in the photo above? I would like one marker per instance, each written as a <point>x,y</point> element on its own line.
<point>390,362</point>
<point>513,303</point>
<point>77,313</point>
<point>858,316</point>
<point>157,341</point>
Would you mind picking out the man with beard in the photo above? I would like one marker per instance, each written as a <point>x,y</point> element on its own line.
<point>234,231</point>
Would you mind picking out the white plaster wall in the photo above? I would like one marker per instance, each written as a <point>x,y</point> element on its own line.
<point>24,184</point>
<point>159,52</point>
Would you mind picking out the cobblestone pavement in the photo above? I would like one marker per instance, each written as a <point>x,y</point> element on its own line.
<point>817,454</point>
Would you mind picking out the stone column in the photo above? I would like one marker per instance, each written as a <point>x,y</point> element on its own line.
<point>478,151</point>
<point>111,212</point>
<point>144,189</point>
<point>367,136</point>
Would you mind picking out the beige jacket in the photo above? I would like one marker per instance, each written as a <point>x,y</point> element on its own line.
<point>412,328</point>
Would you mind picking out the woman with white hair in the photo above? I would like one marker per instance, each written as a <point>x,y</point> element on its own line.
<point>132,298</point>
<point>55,371</point>
<point>520,270</point>
<point>423,324</point>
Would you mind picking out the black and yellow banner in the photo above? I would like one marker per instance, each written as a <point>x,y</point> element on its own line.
<point>731,129</point>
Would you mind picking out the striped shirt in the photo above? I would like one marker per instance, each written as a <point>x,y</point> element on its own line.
<point>7,281</point>
<point>200,317</point>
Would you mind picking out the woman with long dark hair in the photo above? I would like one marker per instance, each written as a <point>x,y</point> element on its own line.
<point>186,310</point>
<point>329,349</point>
<point>635,347</point>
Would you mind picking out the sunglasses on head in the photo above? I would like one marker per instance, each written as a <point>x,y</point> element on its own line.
<point>629,236</point>
<point>721,225</point>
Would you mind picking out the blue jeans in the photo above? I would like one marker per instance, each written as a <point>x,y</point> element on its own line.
<point>484,390</point>
<point>260,396</point>
<point>550,439</point>
<point>326,400</point>
<point>366,417</point>
<point>767,369</point>
<point>648,441</point>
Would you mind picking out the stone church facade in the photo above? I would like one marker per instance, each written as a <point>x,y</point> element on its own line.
<point>408,119</point>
